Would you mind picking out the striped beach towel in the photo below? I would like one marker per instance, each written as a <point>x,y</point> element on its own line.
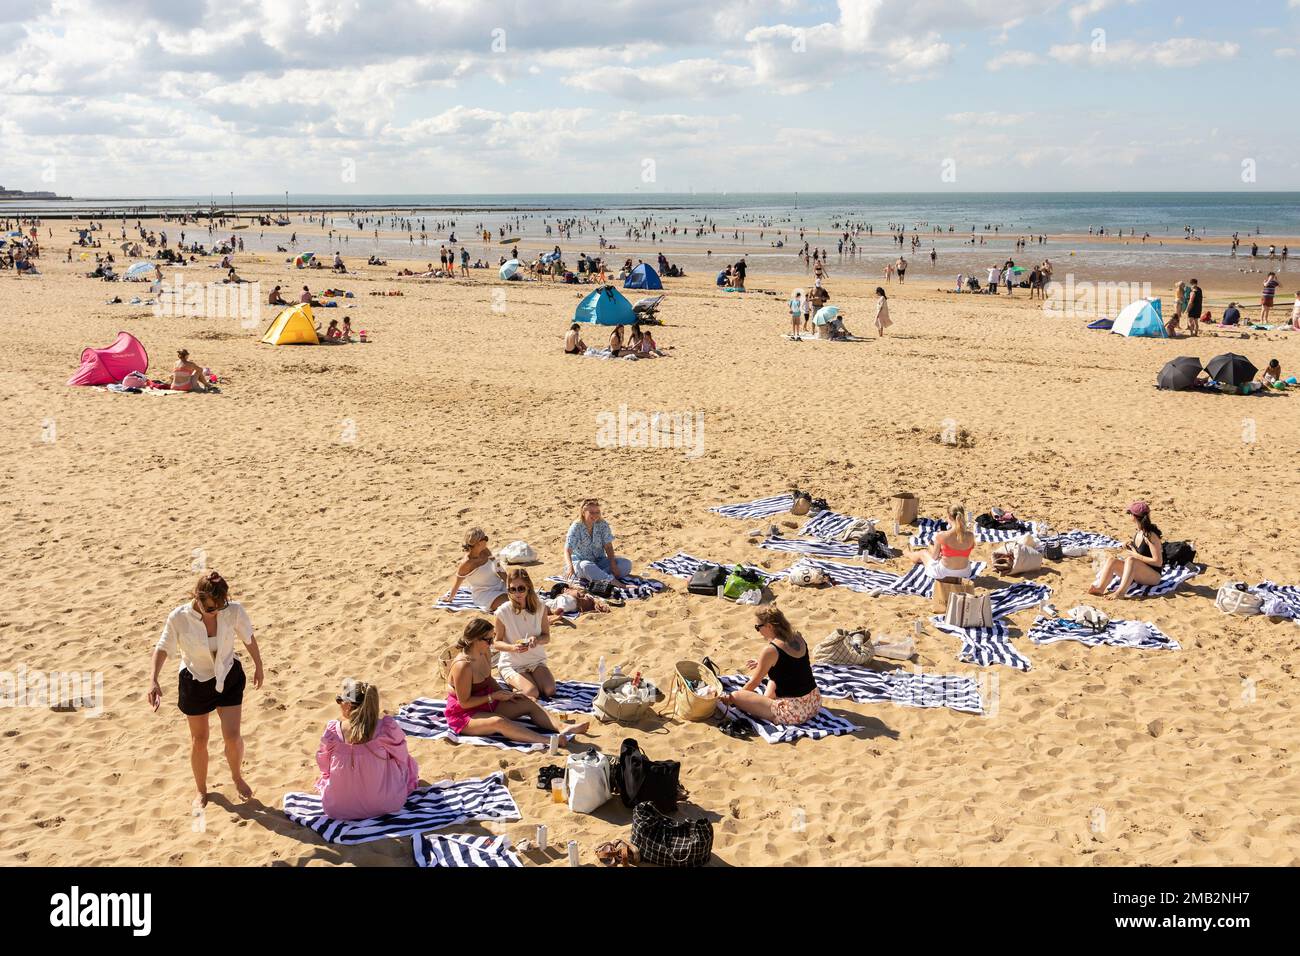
<point>824,549</point>
<point>1145,635</point>
<point>862,685</point>
<point>1287,596</point>
<point>1171,576</point>
<point>444,804</point>
<point>985,646</point>
<point>633,588</point>
<point>828,525</point>
<point>851,576</point>
<point>823,724</point>
<point>762,508</point>
<point>460,601</point>
<point>927,528</point>
<point>426,717</point>
<point>1081,539</point>
<point>461,850</point>
<point>683,565</point>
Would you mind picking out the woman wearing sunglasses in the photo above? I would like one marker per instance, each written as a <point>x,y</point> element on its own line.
<point>522,631</point>
<point>478,706</point>
<point>481,572</point>
<point>791,696</point>
<point>365,768</point>
<point>203,632</point>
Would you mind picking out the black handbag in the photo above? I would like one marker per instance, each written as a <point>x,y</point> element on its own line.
<point>707,580</point>
<point>638,779</point>
<point>664,841</point>
<point>600,589</point>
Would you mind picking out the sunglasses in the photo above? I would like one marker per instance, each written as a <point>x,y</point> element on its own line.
<point>518,590</point>
<point>759,627</point>
<point>215,608</point>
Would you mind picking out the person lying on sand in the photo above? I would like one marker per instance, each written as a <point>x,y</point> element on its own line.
<point>791,696</point>
<point>479,707</point>
<point>948,557</point>
<point>1142,559</point>
<point>365,767</point>
<point>209,679</point>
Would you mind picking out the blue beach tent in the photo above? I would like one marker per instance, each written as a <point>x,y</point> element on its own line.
<point>1141,318</point>
<point>605,306</point>
<point>643,277</point>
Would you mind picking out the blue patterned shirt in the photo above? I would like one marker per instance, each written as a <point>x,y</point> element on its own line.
<point>586,547</point>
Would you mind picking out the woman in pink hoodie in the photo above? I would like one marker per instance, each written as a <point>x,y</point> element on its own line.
<point>365,769</point>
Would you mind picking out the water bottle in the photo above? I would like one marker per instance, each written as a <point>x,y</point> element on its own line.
<point>541,837</point>
<point>600,669</point>
<point>573,853</point>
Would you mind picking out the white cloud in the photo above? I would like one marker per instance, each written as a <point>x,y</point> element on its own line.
<point>1012,59</point>
<point>1178,52</point>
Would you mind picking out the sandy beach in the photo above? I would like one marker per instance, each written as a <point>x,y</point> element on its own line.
<point>331,487</point>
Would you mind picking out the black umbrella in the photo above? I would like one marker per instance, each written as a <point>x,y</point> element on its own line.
<point>1180,374</point>
<point>1231,369</point>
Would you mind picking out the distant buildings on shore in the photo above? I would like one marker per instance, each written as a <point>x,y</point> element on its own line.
<point>20,194</point>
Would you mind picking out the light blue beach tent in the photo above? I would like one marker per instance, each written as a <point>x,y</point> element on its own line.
<point>605,306</point>
<point>508,269</point>
<point>1141,318</point>
<point>643,277</point>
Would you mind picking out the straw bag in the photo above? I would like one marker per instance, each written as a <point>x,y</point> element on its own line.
<point>1016,557</point>
<point>967,609</point>
<point>906,506</point>
<point>686,703</point>
<point>847,647</point>
<point>608,707</point>
<point>1234,599</point>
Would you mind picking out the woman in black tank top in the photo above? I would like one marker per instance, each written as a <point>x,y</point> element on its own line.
<point>791,695</point>
<point>1140,562</point>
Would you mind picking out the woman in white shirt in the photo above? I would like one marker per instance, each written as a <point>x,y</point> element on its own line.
<point>522,632</point>
<point>480,571</point>
<point>203,632</point>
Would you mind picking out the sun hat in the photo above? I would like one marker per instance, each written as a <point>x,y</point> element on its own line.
<point>1139,509</point>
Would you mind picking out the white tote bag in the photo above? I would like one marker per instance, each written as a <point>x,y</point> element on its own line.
<point>1231,599</point>
<point>586,778</point>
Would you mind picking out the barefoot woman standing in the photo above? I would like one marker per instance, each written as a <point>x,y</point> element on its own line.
<point>203,631</point>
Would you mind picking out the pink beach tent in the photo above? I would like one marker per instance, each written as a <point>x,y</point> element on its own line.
<point>110,365</point>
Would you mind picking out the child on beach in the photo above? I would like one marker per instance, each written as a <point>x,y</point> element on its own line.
<point>882,312</point>
<point>796,314</point>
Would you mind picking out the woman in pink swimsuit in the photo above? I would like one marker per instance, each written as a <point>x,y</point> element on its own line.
<point>477,705</point>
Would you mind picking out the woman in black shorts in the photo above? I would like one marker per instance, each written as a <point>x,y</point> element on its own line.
<point>203,632</point>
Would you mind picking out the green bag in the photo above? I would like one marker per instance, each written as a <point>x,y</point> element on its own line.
<point>739,581</point>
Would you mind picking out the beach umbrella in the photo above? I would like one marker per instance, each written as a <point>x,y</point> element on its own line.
<point>506,242</point>
<point>140,270</point>
<point>1231,369</point>
<point>508,269</point>
<point>1179,374</point>
<point>825,314</point>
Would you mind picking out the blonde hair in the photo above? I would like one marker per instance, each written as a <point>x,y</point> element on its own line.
<point>773,616</point>
<point>531,602</point>
<point>957,513</point>
<point>472,537</point>
<point>364,718</point>
<point>588,502</point>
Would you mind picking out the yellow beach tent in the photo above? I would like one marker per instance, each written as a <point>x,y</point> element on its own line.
<point>293,326</point>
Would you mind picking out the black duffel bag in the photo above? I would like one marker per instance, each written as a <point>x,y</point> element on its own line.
<point>707,580</point>
<point>638,779</point>
<point>664,841</point>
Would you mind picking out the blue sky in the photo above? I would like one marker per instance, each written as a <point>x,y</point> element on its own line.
<point>136,97</point>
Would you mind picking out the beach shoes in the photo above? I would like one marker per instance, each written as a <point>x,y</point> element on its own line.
<point>547,774</point>
<point>617,853</point>
<point>818,504</point>
<point>737,728</point>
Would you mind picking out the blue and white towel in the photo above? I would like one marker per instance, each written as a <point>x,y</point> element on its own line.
<point>916,581</point>
<point>444,804</point>
<point>426,717</point>
<point>927,528</point>
<point>1017,597</point>
<point>828,525</point>
<point>1171,576</point>
<point>683,565</point>
<point>633,588</point>
<point>1286,595</point>
<point>1081,539</point>
<point>762,508</point>
<point>462,600</point>
<point>823,724</point>
<point>462,850</point>
<point>862,685</point>
<point>821,548</point>
<point>1142,634</point>
<point>985,646</point>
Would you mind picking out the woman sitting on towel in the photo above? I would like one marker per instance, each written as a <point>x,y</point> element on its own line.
<point>186,376</point>
<point>365,768</point>
<point>949,556</point>
<point>1142,559</point>
<point>477,706</point>
<point>523,629</point>
<point>615,345</point>
<point>589,548</point>
<point>573,344</point>
<point>479,570</point>
<point>791,696</point>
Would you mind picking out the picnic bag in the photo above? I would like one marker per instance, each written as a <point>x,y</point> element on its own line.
<point>1177,553</point>
<point>685,702</point>
<point>739,581</point>
<point>1087,616</point>
<point>1235,599</point>
<point>906,506</point>
<point>845,647</point>
<point>1016,557</point>
<point>802,502</point>
<point>586,778</point>
<point>707,579</point>
<point>943,589</point>
<point>638,779</point>
<point>968,609</point>
<point>609,707</point>
<point>664,841</point>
